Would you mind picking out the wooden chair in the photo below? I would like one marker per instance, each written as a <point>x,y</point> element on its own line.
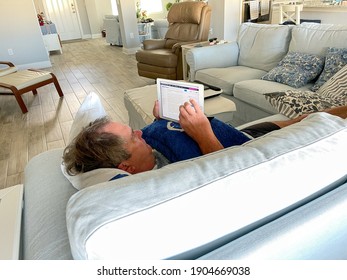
<point>290,12</point>
<point>19,82</point>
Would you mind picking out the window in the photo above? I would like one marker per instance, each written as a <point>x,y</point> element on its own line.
<point>114,7</point>
<point>151,6</point>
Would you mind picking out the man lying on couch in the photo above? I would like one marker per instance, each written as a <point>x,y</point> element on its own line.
<point>107,144</point>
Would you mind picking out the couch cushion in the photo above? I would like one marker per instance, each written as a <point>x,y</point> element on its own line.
<point>317,38</point>
<point>335,60</point>
<point>252,92</point>
<point>217,198</point>
<point>294,103</point>
<point>46,193</point>
<point>225,78</point>
<point>315,231</point>
<point>262,46</point>
<point>296,69</point>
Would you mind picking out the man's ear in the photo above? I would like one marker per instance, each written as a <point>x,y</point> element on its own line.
<point>124,165</point>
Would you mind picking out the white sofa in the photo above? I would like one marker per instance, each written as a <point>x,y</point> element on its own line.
<point>241,202</point>
<point>238,67</point>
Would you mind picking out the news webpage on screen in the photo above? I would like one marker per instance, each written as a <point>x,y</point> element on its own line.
<point>173,94</point>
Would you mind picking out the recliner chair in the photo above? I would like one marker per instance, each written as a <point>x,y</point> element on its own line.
<point>189,22</point>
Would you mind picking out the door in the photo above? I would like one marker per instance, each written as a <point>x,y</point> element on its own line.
<point>63,13</point>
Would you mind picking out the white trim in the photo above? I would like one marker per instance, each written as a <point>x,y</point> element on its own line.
<point>130,51</point>
<point>35,65</point>
<point>87,36</point>
<point>97,35</point>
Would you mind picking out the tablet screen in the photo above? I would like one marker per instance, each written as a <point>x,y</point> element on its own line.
<point>172,94</point>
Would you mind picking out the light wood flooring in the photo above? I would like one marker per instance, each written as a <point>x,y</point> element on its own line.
<point>84,66</point>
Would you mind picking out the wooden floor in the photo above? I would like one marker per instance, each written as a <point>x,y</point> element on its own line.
<point>84,66</point>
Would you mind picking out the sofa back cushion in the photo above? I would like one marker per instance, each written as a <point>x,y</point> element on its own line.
<point>262,46</point>
<point>186,209</point>
<point>316,38</point>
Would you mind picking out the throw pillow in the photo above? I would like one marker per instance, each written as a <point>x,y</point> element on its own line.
<point>90,109</point>
<point>336,86</point>
<point>294,103</point>
<point>93,177</point>
<point>170,139</point>
<point>335,59</point>
<point>296,69</point>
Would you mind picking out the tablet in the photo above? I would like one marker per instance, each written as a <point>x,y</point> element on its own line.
<point>172,94</point>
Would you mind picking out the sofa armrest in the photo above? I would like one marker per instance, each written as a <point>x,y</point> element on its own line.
<point>153,44</point>
<point>216,56</point>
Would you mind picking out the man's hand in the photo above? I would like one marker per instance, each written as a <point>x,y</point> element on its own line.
<point>156,110</point>
<point>197,126</point>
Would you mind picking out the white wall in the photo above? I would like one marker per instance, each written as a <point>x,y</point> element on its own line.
<point>226,18</point>
<point>128,25</point>
<point>334,15</point>
<point>20,31</point>
<point>96,10</point>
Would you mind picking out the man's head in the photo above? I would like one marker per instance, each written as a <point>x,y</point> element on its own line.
<point>106,144</point>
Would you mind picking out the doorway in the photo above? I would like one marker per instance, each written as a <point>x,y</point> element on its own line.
<point>64,14</point>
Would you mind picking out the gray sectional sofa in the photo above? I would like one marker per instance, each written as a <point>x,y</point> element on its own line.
<point>238,67</point>
<point>241,202</point>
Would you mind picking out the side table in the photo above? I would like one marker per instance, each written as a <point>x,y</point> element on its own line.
<point>52,42</point>
<point>11,201</point>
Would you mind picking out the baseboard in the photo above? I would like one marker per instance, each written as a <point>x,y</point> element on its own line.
<point>86,36</point>
<point>95,36</point>
<point>130,51</point>
<point>36,65</point>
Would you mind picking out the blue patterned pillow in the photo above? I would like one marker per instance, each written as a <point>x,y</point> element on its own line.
<point>334,61</point>
<point>296,69</point>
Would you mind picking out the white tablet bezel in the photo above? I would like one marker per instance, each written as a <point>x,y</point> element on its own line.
<point>177,97</point>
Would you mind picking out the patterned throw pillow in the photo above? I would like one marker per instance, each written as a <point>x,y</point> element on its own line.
<point>336,86</point>
<point>335,59</point>
<point>296,69</point>
<point>294,103</point>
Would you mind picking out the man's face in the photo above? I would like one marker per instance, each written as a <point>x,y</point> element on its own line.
<point>142,158</point>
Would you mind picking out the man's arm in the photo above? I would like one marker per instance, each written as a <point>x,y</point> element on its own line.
<point>197,126</point>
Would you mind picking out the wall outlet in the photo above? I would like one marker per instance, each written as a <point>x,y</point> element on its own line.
<point>10,51</point>
<point>131,35</point>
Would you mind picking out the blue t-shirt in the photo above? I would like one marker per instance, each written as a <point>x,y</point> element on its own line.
<point>169,139</point>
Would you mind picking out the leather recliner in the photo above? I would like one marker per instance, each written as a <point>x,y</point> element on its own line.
<point>189,22</point>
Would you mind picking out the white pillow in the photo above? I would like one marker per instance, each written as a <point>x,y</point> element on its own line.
<point>90,110</point>
<point>96,176</point>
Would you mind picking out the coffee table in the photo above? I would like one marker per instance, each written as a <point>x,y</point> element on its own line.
<point>139,103</point>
